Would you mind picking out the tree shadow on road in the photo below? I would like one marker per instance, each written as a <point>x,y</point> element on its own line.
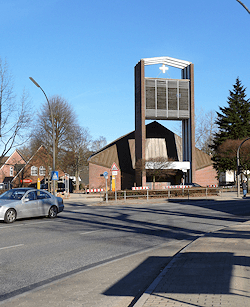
<point>154,220</point>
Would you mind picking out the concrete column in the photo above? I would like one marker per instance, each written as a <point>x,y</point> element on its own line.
<point>140,129</point>
<point>192,122</point>
<point>188,126</point>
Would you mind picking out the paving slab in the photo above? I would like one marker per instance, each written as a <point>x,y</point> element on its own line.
<point>212,271</point>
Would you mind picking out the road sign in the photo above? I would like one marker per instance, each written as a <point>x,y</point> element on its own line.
<point>114,173</point>
<point>105,174</point>
<point>54,175</point>
<point>114,167</point>
<point>26,180</point>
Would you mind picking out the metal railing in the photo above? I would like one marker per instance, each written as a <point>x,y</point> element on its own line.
<point>167,193</point>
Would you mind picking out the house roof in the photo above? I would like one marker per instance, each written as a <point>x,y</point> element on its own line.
<point>202,159</point>
<point>6,159</point>
<point>21,155</point>
<point>33,157</point>
<point>41,147</point>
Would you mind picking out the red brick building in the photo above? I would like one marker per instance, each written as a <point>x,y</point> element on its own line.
<point>10,166</point>
<point>160,141</point>
<point>37,167</point>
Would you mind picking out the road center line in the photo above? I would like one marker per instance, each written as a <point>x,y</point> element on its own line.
<point>84,233</point>
<point>11,246</point>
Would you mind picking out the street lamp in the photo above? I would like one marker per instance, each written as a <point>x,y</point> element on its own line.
<point>53,132</point>
<point>238,167</point>
<point>244,6</point>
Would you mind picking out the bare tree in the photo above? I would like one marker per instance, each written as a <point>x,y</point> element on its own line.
<point>65,120</point>
<point>98,144</point>
<point>243,6</point>
<point>75,158</point>
<point>72,142</point>
<point>15,116</point>
<point>205,128</point>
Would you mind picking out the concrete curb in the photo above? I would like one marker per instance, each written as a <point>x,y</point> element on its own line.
<point>159,278</point>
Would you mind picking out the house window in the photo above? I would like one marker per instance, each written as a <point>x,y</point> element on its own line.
<point>11,171</point>
<point>34,171</point>
<point>42,171</point>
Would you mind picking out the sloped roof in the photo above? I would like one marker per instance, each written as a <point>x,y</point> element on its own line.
<point>5,159</point>
<point>106,157</point>
<point>28,162</point>
<point>202,159</point>
<point>160,141</point>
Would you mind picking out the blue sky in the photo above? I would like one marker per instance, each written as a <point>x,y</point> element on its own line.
<point>86,51</point>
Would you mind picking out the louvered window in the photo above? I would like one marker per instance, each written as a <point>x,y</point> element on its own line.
<point>167,98</point>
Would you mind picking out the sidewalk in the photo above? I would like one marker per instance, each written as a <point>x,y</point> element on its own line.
<point>214,270</point>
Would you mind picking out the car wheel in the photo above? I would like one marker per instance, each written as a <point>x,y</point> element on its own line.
<point>52,212</point>
<point>10,216</point>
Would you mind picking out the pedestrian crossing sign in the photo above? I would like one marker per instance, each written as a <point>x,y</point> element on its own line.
<point>54,175</point>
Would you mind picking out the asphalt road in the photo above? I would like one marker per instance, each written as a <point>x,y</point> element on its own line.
<point>37,252</point>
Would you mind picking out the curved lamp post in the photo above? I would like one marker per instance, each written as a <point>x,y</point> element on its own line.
<point>243,6</point>
<point>238,165</point>
<point>53,132</point>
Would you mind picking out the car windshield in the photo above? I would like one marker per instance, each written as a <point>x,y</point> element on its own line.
<point>14,194</point>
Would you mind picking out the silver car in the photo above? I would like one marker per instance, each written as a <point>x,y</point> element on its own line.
<point>27,202</point>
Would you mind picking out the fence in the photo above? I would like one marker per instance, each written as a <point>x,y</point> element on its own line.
<point>167,193</point>
<point>94,190</point>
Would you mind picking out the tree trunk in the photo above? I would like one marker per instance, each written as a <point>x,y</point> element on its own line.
<point>77,180</point>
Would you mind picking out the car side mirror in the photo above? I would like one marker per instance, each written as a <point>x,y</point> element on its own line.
<point>26,199</point>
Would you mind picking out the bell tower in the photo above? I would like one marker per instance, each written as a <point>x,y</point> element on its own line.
<point>165,99</point>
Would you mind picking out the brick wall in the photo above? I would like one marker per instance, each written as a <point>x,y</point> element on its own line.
<point>96,181</point>
<point>206,176</point>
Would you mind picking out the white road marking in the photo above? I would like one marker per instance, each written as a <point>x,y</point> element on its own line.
<point>84,233</point>
<point>11,246</point>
